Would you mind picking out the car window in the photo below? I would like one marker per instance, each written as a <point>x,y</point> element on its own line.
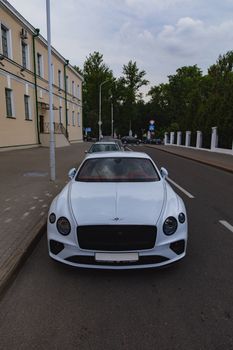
<point>117,169</point>
<point>104,148</point>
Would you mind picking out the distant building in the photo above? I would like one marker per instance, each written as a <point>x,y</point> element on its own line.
<point>24,96</point>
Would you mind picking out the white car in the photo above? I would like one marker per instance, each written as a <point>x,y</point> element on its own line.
<point>117,212</point>
<point>104,147</point>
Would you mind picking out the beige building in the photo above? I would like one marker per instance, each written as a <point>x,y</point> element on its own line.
<point>24,95</point>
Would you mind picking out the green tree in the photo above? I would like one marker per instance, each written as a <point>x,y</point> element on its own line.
<point>128,87</point>
<point>95,71</point>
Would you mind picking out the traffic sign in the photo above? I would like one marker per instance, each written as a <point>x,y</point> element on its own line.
<point>151,127</point>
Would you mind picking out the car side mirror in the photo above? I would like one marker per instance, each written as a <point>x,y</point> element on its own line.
<point>71,173</point>
<point>164,172</point>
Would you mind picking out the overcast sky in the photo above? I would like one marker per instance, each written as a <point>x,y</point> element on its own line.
<point>160,35</point>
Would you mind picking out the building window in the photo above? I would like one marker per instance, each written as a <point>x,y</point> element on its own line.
<point>24,54</point>
<point>60,115</point>
<point>73,92</point>
<point>68,117</point>
<point>73,118</point>
<point>27,107</point>
<point>39,64</point>
<point>8,94</point>
<point>59,79</point>
<point>78,87</point>
<point>5,44</point>
<point>79,119</point>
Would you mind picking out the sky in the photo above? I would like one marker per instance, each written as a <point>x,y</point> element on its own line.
<point>160,35</point>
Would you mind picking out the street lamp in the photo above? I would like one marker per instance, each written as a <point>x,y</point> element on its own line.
<point>51,116</point>
<point>112,130</point>
<point>100,120</point>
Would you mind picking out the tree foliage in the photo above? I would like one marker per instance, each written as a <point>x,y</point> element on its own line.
<point>188,101</point>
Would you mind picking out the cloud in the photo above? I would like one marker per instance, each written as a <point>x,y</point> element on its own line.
<point>160,35</point>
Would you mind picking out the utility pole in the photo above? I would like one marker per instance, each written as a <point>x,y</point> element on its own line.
<point>51,116</point>
<point>112,130</point>
<point>100,117</point>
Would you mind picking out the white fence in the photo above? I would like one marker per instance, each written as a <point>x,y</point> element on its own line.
<point>169,139</point>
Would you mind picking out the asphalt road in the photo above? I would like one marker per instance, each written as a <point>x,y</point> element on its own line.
<point>187,306</point>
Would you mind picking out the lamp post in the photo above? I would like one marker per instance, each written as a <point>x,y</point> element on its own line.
<point>100,120</point>
<point>51,116</point>
<point>112,130</point>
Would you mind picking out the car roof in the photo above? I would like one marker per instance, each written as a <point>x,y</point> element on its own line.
<point>119,154</point>
<point>105,143</point>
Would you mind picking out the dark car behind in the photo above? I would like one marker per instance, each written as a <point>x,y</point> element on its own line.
<point>130,140</point>
<point>153,141</point>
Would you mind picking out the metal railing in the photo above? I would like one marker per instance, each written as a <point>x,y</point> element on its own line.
<point>58,129</point>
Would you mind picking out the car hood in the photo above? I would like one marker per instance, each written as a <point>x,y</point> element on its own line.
<point>116,203</point>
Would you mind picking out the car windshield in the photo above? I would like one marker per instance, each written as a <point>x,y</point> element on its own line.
<point>104,148</point>
<point>116,169</point>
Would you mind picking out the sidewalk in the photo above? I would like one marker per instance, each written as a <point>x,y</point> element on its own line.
<point>217,160</point>
<point>26,193</point>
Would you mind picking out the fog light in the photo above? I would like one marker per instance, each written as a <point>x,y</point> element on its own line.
<point>56,247</point>
<point>178,246</point>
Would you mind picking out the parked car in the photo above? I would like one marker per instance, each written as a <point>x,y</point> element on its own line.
<point>117,212</point>
<point>153,141</point>
<point>119,143</point>
<point>130,140</point>
<point>110,139</point>
<point>104,147</point>
<point>89,138</point>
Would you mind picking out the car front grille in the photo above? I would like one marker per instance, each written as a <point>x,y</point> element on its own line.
<point>116,237</point>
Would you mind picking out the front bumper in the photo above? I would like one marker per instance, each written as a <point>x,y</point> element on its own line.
<point>159,256</point>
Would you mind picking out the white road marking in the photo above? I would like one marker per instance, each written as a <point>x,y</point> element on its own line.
<point>44,205</point>
<point>226,224</point>
<point>180,188</point>
<point>8,220</point>
<point>32,208</point>
<point>35,197</point>
<point>41,200</point>
<point>25,215</point>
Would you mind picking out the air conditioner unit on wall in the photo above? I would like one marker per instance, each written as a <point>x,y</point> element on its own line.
<point>23,34</point>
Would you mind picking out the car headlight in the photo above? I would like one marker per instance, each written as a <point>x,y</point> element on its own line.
<point>52,218</point>
<point>170,226</point>
<point>181,218</point>
<point>63,226</point>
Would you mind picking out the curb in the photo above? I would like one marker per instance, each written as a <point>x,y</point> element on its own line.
<point>221,167</point>
<point>13,265</point>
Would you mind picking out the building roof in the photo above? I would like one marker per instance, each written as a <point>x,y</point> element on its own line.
<point>32,29</point>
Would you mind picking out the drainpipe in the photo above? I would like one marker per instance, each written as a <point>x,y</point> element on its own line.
<point>37,32</point>
<point>65,65</point>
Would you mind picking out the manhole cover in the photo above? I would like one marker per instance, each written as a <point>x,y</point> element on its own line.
<point>35,174</point>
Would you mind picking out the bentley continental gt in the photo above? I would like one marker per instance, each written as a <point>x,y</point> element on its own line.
<point>117,212</point>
